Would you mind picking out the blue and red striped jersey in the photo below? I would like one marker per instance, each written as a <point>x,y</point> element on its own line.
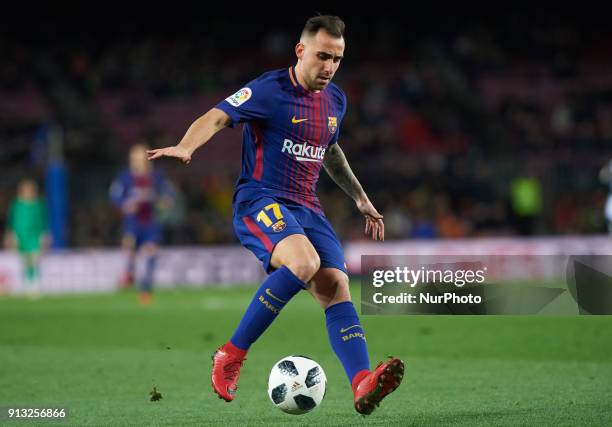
<point>286,132</point>
<point>142,191</point>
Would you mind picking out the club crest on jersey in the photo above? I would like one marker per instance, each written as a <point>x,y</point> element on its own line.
<point>240,97</point>
<point>332,124</point>
<point>278,226</point>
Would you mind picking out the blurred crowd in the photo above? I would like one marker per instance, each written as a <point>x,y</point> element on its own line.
<point>485,129</point>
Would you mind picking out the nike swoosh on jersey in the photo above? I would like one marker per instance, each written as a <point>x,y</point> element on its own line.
<point>294,120</point>
<point>343,330</point>
<point>275,297</point>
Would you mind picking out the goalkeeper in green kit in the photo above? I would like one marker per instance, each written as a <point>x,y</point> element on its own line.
<point>27,230</point>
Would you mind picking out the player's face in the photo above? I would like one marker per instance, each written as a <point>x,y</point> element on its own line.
<point>319,58</point>
<point>138,160</point>
<point>28,190</point>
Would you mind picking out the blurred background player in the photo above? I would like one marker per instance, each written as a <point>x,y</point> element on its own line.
<point>605,175</point>
<point>27,230</point>
<point>139,192</point>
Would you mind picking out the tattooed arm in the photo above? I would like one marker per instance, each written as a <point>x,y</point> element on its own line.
<point>338,169</point>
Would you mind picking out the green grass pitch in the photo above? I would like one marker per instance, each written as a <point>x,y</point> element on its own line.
<point>100,356</point>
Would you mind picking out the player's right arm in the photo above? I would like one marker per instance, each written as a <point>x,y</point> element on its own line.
<point>198,134</point>
<point>119,194</point>
<point>256,101</point>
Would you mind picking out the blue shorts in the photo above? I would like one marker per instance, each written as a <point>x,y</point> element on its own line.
<point>263,222</point>
<point>142,233</point>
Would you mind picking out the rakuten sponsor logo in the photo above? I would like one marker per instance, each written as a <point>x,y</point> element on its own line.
<point>304,152</point>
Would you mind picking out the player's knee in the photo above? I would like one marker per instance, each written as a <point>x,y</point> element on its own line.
<point>330,287</point>
<point>305,267</point>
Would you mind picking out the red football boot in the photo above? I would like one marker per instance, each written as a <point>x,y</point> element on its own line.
<point>227,361</point>
<point>145,298</point>
<point>126,281</point>
<point>376,385</point>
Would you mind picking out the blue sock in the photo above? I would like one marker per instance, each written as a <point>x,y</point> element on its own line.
<point>147,282</point>
<point>270,298</point>
<point>347,338</point>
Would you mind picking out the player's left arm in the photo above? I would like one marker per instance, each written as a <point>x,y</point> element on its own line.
<point>337,167</point>
<point>166,192</point>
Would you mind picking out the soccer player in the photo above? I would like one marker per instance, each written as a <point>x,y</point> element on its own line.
<point>292,121</point>
<point>28,230</point>
<point>138,192</point>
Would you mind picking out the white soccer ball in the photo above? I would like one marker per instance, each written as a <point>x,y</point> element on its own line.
<point>296,384</point>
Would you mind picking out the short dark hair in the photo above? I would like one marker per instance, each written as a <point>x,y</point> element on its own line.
<point>332,25</point>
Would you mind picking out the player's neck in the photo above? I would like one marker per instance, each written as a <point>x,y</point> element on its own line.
<point>300,78</point>
<point>140,172</point>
